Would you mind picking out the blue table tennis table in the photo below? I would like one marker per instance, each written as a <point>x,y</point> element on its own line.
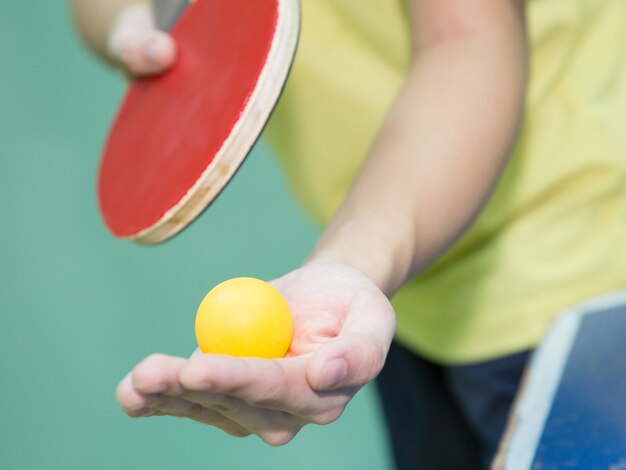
<point>571,410</point>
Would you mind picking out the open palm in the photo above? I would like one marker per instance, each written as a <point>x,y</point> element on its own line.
<point>343,326</point>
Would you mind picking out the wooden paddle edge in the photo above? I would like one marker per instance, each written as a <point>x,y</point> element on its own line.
<point>243,135</point>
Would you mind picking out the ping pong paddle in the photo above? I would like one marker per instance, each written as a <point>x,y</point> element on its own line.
<point>178,138</point>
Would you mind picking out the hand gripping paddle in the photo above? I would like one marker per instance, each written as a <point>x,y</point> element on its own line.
<point>178,138</point>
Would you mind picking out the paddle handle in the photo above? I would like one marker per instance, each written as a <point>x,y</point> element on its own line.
<point>167,12</point>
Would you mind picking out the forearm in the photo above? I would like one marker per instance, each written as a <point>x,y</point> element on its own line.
<point>436,159</point>
<point>95,18</point>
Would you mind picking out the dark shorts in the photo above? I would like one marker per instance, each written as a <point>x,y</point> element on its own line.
<point>446,417</point>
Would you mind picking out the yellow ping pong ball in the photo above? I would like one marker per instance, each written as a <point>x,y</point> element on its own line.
<point>244,317</point>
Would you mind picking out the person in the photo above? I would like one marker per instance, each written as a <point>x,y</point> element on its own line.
<point>467,161</point>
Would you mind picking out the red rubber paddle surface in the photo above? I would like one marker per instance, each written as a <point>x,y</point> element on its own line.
<point>169,128</point>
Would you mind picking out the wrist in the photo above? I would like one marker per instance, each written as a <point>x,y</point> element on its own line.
<point>387,264</point>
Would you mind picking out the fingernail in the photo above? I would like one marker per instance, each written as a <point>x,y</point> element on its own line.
<point>152,50</point>
<point>333,373</point>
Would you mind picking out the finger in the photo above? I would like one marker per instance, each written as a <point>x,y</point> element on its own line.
<point>279,385</point>
<point>257,382</point>
<point>274,427</point>
<point>158,373</point>
<point>147,55</point>
<point>216,401</point>
<point>183,408</point>
<point>357,354</point>
<point>137,44</point>
<point>133,402</point>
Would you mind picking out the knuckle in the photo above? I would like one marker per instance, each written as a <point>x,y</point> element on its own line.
<point>373,362</point>
<point>154,360</point>
<point>221,408</point>
<point>277,438</point>
<point>187,379</point>
<point>226,404</point>
<point>194,378</point>
<point>143,374</point>
<point>326,417</point>
<point>191,412</point>
<point>271,399</point>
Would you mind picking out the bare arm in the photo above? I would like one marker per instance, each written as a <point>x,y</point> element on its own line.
<point>443,143</point>
<point>437,157</point>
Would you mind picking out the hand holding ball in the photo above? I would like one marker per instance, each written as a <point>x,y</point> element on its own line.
<point>244,317</point>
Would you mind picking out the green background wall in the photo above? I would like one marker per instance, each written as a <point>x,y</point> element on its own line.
<point>78,308</point>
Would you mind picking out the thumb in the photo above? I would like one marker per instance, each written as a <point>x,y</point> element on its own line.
<point>356,356</point>
<point>137,45</point>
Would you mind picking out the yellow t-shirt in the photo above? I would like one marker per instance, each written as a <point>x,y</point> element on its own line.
<point>553,232</point>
